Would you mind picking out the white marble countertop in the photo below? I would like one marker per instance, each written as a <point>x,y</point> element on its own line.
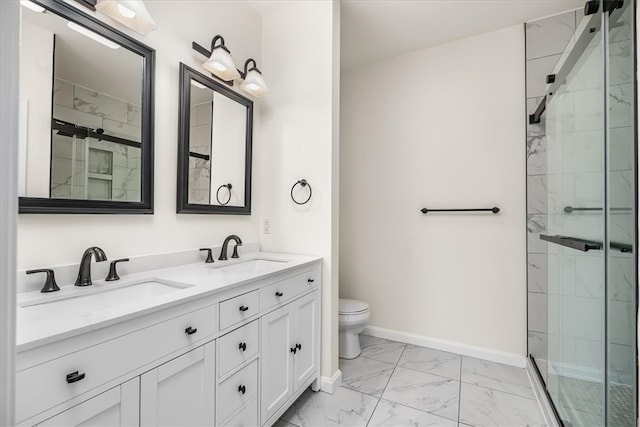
<point>39,323</point>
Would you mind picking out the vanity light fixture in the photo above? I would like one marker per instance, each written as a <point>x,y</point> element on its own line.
<point>30,5</point>
<point>253,83</point>
<point>220,62</point>
<point>88,33</point>
<point>132,13</point>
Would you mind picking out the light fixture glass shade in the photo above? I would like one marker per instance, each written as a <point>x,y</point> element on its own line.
<point>221,64</point>
<point>254,84</point>
<point>131,13</point>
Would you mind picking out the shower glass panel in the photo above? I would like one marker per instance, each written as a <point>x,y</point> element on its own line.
<point>591,230</point>
<point>575,200</point>
<point>621,280</point>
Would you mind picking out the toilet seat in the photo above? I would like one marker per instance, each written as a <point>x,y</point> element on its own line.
<point>352,306</point>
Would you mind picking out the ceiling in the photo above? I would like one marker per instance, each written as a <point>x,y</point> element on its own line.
<point>372,30</point>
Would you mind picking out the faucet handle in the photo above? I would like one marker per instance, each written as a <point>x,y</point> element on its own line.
<point>113,272</point>
<point>50,284</point>
<point>209,259</point>
<point>235,251</point>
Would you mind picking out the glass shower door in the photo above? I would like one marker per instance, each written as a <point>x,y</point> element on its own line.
<point>621,343</point>
<point>577,227</point>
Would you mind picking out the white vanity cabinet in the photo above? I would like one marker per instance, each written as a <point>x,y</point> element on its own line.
<point>290,352</point>
<point>238,357</point>
<point>117,407</point>
<point>181,391</point>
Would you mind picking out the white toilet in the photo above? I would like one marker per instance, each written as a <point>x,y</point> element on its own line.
<point>353,316</point>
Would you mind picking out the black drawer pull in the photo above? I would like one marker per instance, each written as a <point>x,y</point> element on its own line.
<point>299,346</point>
<point>294,350</point>
<point>190,330</point>
<point>310,280</point>
<point>242,389</point>
<point>244,308</point>
<point>243,346</point>
<point>279,294</point>
<point>74,377</point>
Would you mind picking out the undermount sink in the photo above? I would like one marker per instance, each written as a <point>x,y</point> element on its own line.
<point>252,265</point>
<point>102,297</point>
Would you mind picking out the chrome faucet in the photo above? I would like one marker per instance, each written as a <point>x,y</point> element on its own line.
<point>225,245</point>
<point>84,273</point>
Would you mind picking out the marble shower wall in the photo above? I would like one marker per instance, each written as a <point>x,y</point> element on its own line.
<point>566,287</point>
<point>546,39</point>
<point>76,162</point>
<point>200,142</point>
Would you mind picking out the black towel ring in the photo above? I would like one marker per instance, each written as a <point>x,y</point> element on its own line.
<point>303,183</point>
<point>228,187</point>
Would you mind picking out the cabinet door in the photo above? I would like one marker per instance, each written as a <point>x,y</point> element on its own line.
<point>180,392</point>
<point>116,407</point>
<point>306,335</point>
<point>276,359</point>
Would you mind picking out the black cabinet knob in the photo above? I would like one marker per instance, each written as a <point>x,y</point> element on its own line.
<point>242,346</point>
<point>244,308</point>
<point>279,294</point>
<point>242,389</point>
<point>299,346</point>
<point>293,350</point>
<point>74,377</point>
<point>190,330</point>
<point>310,280</point>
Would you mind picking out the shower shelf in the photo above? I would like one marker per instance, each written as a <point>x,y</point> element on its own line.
<point>584,245</point>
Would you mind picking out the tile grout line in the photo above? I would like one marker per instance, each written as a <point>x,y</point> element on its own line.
<point>460,390</point>
<point>385,386</point>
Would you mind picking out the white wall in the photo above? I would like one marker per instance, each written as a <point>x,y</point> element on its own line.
<point>438,128</point>
<point>46,240</point>
<point>300,140</point>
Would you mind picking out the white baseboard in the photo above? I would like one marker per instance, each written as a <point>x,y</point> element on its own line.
<point>330,384</point>
<point>512,359</point>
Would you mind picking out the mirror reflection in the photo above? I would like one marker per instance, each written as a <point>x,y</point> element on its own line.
<point>81,98</point>
<point>216,152</point>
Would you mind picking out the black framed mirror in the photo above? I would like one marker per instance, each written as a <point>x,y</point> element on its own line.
<point>214,147</point>
<point>86,114</point>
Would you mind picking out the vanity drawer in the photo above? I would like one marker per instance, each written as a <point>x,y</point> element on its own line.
<point>230,396</point>
<point>237,309</point>
<point>51,383</point>
<point>248,417</point>
<point>281,292</point>
<point>237,347</point>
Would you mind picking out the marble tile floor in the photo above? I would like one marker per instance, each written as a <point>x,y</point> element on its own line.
<point>396,384</point>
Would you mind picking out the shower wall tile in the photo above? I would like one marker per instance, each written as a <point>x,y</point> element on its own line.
<point>122,130</point>
<point>590,355</point>
<point>588,111</point>
<point>621,364</point>
<point>621,105</point>
<point>537,194</point>
<point>590,276</point>
<point>536,155</point>
<point>536,225</point>
<point>134,115</point>
<point>537,314</point>
<point>62,93</point>
<point>99,104</point>
<point>60,191</point>
<point>537,70</point>
<point>621,142</point>
<point>77,117</point>
<point>622,277</point>
<point>62,147</point>
<point>582,318</point>
<point>582,152</point>
<point>537,273</point>
<point>203,113</point>
<point>549,36</point>
<point>537,344</point>
<point>621,62</point>
<point>61,171</point>
<point>621,322</point>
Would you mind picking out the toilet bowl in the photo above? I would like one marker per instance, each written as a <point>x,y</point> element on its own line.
<point>353,316</point>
